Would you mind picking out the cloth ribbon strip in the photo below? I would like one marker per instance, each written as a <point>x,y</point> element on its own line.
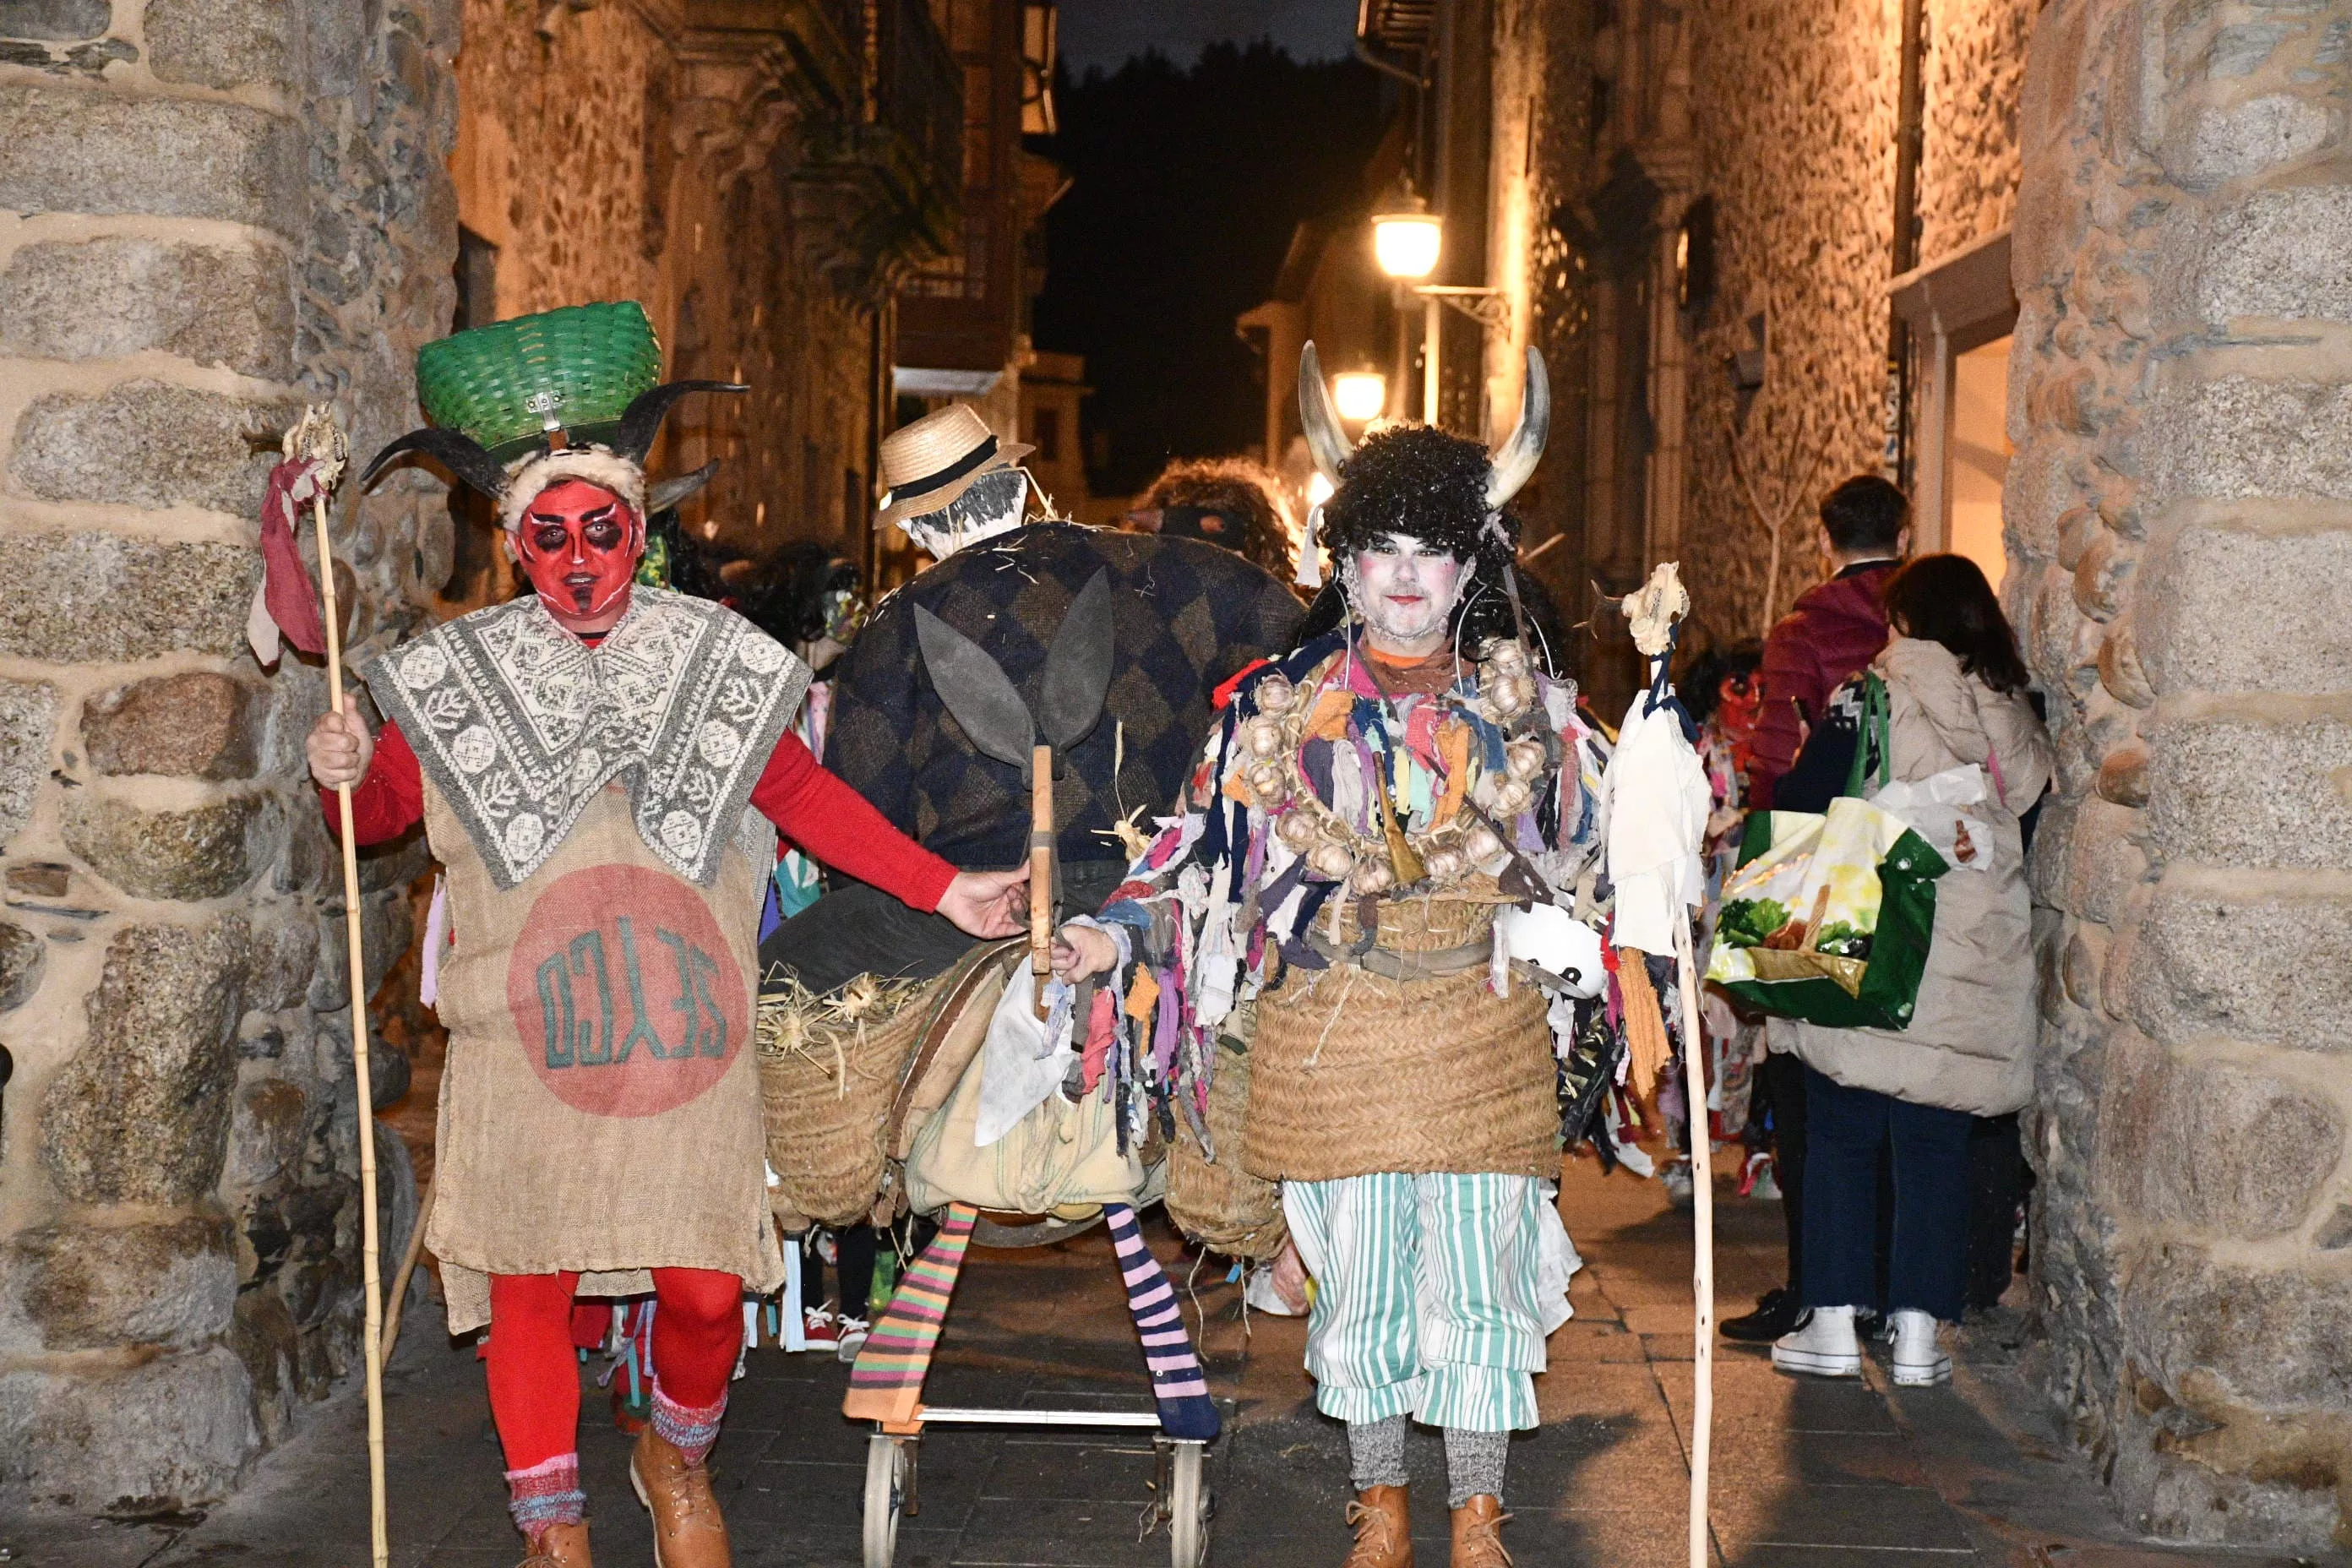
<point>284,604</point>
<point>1178,1384</point>
<point>886,1384</point>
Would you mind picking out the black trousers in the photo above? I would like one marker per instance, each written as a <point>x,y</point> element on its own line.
<point>1926,1153</point>
<point>1781,1076</point>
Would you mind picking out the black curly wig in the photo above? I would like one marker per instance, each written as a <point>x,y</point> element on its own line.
<point>1429,486</point>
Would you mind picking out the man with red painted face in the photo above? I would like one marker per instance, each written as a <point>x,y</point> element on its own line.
<point>603,769</point>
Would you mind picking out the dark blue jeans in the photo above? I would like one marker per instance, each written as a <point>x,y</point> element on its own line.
<point>1845,1128</point>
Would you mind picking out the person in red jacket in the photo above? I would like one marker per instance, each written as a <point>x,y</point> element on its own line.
<point>600,768</point>
<point>1834,629</point>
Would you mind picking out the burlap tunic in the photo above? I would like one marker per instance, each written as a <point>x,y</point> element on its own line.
<point>600,1108</point>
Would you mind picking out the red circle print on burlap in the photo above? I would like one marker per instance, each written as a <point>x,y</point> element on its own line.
<point>624,994</point>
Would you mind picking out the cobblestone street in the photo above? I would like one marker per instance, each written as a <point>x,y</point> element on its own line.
<point>1834,1475</point>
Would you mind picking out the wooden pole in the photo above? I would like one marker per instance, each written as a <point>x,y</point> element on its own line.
<point>355,955</point>
<point>397,1296</point>
<point>1702,1218</point>
<point>1041,871</point>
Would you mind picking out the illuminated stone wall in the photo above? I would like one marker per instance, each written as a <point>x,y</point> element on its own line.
<point>2179,521</point>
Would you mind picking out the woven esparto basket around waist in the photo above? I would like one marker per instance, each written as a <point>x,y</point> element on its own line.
<point>826,1076</point>
<point>1353,1073</point>
<point>1218,1202</point>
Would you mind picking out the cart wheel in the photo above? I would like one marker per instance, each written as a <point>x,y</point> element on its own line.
<point>885,1492</point>
<point>1188,1509</point>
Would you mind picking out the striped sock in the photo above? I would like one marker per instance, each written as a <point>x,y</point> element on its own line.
<point>546,1494</point>
<point>689,1430</point>
<point>886,1382</point>
<point>1177,1380</point>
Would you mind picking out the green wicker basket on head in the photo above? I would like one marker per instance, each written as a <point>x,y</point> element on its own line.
<point>581,366</point>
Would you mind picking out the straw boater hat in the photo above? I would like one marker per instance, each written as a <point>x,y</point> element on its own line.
<point>932,461</point>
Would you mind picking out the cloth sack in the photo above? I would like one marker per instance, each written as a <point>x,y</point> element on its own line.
<point>1060,1158</point>
<point>1828,916</point>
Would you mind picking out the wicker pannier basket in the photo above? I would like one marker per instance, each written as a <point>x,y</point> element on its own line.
<point>1217,1203</point>
<point>828,1067</point>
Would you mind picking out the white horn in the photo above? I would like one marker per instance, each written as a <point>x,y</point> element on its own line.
<point>1318,418</point>
<point>1514,463</point>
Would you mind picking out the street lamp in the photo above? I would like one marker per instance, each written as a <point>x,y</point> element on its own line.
<point>1359,394</point>
<point>1406,241</point>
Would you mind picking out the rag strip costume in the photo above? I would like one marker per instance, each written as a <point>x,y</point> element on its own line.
<point>1326,898</point>
<point>606,807</point>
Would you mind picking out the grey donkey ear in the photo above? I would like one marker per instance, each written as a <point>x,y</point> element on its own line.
<point>459,453</point>
<point>642,420</point>
<point>661,497</point>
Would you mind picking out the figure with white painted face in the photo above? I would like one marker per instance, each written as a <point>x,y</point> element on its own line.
<point>1329,898</point>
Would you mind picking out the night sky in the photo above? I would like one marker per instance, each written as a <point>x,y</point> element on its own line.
<point>1102,33</point>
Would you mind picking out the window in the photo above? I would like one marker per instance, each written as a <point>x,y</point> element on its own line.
<point>1046,434</point>
<point>1960,312</point>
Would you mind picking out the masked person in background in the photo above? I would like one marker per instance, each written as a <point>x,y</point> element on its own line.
<point>1189,616</point>
<point>602,768</point>
<point>1365,808</point>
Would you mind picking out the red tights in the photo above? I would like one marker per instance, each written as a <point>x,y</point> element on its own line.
<point>534,1370</point>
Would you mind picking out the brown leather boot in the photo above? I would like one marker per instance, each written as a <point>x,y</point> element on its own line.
<point>687,1531</point>
<point>1383,1527</point>
<point>560,1546</point>
<point>1478,1534</point>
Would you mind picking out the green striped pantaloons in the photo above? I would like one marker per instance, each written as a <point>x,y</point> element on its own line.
<point>1425,1300</point>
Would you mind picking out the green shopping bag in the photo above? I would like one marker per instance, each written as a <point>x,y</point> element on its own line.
<point>1829,915</point>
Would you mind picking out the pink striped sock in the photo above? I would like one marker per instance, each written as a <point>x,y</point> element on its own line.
<point>1177,1380</point>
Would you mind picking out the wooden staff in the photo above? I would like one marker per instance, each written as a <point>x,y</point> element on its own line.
<point>317,438</point>
<point>1702,1218</point>
<point>1041,871</point>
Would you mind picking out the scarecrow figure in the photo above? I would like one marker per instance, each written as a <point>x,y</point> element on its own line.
<point>602,768</point>
<point>1189,615</point>
<point>1328,895</point>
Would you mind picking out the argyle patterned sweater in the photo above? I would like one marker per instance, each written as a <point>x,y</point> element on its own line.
<point>1189,615</point>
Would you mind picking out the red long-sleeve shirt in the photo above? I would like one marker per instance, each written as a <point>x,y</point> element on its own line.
<point>816,810</point>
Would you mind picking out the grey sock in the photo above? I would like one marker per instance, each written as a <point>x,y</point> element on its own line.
<point>1376,1452</point>
<point>1474,1463</point>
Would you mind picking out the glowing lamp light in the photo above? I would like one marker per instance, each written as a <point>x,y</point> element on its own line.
<point>1319,488</point>
<point>1359,394</point>
<point>1406,242</point>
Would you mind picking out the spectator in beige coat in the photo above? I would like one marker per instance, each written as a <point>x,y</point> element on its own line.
<point>1957,698</point>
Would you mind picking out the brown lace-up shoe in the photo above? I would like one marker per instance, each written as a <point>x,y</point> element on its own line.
<point>1383,1527</point>
<point>1478,1534</point>
<point>559,1546</point>
<point>687,1531</point>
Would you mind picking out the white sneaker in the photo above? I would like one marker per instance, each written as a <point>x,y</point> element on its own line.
<point>1919,1362</point>
<point>853,1332</point>
<point>1259,1292</point>
<point>1680,1185</point>
<point>1823,1346</point>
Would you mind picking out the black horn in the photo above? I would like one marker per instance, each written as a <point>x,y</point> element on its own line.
<point>667,493</point>
<point>641,421</point>
<point>459,453</point>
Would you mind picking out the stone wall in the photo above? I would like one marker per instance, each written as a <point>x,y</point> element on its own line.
<point>1802,174</point>
<point>211,211</point>
<point>2179,524</point>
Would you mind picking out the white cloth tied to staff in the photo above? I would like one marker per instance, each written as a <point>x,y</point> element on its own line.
<point>1655,802</point>
<point>1024,1058</point>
